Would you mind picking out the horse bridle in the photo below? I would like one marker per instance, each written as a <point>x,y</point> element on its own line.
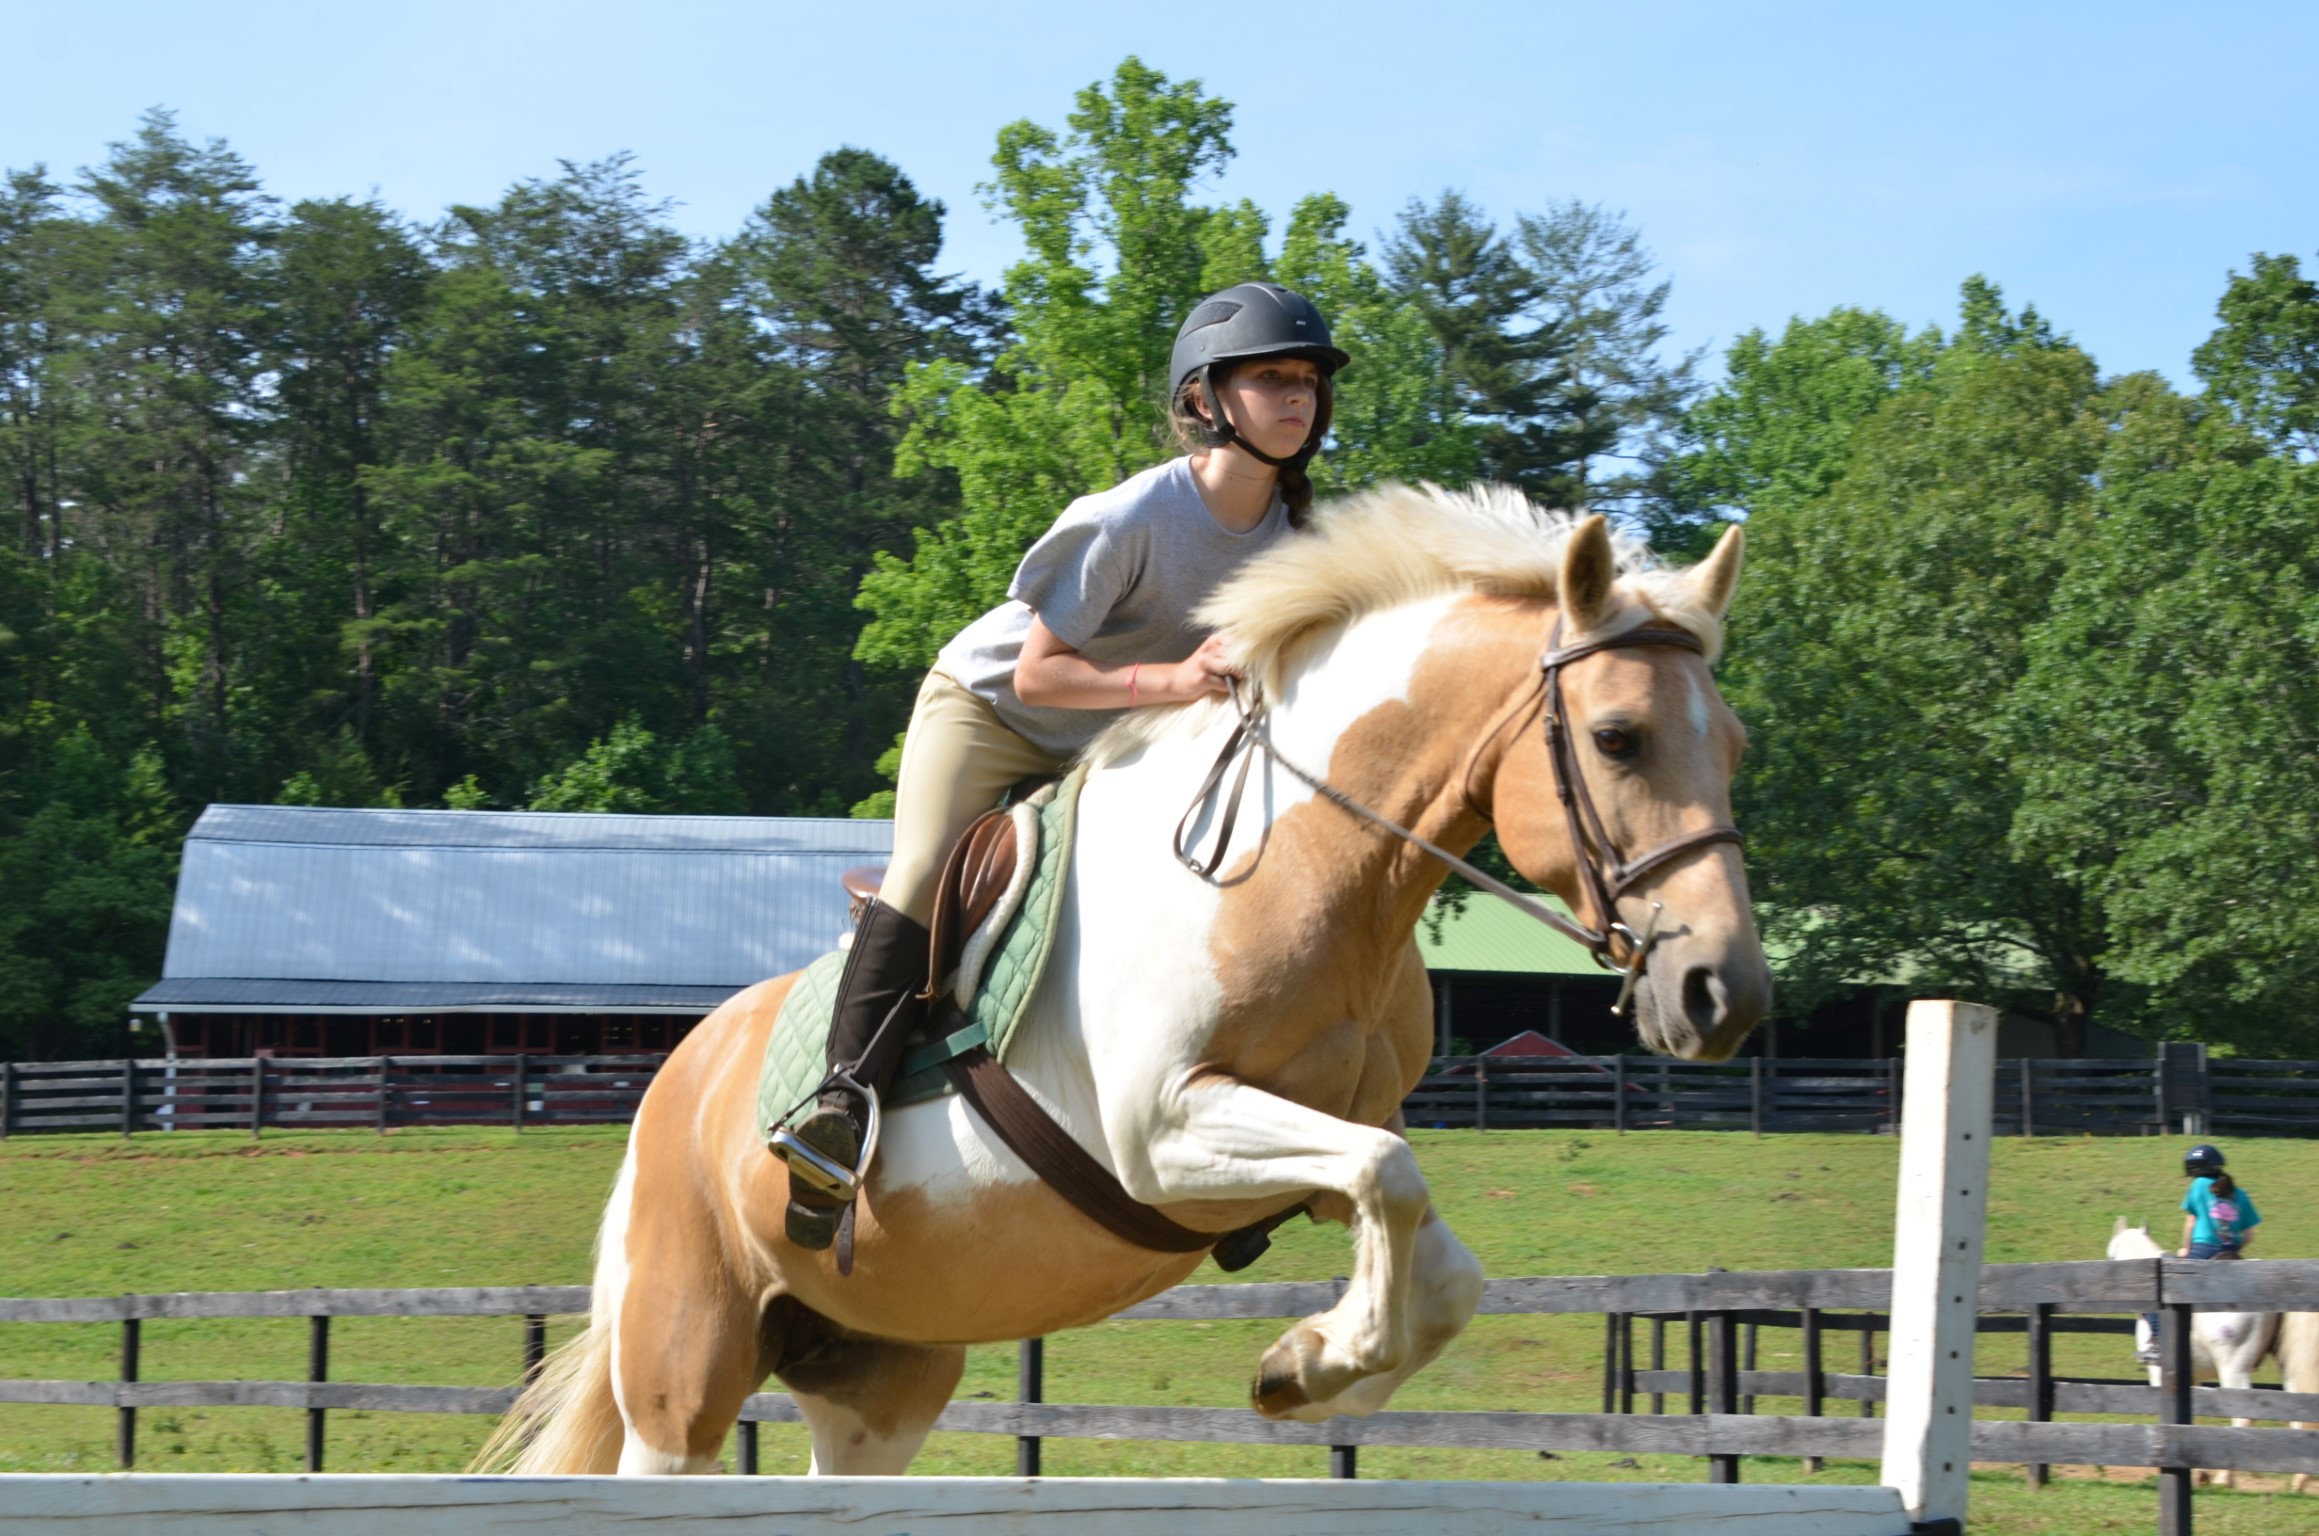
<point>1605,876</point>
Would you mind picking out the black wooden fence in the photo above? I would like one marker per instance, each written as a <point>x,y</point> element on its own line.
<point>2180,1090</point>
<point>1709,1378</point>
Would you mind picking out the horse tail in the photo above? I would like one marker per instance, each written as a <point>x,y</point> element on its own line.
<point>567,1420</point>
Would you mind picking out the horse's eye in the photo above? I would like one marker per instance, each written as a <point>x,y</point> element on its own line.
<point>1614,742</point>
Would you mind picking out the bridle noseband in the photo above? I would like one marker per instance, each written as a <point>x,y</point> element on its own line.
<point>1605,876</point>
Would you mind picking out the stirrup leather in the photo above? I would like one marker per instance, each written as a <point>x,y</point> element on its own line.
<point>816,1169</point>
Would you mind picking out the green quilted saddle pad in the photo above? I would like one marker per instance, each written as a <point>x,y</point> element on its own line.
<point>797,1052</point>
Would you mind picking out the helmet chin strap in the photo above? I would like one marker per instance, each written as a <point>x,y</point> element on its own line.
<point>1221,433</point>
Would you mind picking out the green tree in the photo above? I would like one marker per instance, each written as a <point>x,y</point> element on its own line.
<point>2262,365</point>
<point>1533,422</point>
<point>1593,277</point>
<point>632,770</point>
<point>1878,651</point>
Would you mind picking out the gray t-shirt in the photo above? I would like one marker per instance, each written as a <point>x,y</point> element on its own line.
<point>1116,579</point>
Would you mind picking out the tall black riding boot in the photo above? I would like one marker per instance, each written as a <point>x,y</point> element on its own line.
<point>877,1012</point>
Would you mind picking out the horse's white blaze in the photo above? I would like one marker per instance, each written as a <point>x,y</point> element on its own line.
<point>1702,721</point>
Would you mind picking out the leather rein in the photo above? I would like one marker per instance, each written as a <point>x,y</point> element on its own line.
<point>1605,875</point>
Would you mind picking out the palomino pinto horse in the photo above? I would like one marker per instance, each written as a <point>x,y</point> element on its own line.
<point>1228,1047</point>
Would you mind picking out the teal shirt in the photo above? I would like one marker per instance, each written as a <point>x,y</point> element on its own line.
<point>2221,1221</point>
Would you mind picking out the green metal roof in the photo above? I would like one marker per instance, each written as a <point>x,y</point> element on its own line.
<point>1491,936</point>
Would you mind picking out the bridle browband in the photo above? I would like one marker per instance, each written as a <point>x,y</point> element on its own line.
<point>1605,876</point>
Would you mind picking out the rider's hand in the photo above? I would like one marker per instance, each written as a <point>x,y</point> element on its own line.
<point>1204,672</point>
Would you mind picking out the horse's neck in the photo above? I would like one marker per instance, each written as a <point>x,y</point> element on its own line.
<point>1387,710</point>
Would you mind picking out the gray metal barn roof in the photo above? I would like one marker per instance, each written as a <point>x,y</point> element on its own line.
<point>289,909</point>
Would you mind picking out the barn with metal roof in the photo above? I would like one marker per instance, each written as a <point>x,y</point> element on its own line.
<point>305,931</point>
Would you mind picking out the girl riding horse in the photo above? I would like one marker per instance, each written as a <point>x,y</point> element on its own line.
<point>1097,622</point>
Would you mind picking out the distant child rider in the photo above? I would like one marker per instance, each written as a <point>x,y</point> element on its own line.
<point>1099,623</point>
<point>2218,1222</point>
<point>2219,1217</point>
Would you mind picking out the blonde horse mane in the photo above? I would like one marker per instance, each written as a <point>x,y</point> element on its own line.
<point>1389,547</point>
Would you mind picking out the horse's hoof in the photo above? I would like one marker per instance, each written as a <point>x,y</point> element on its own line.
<point>1277,1393</point>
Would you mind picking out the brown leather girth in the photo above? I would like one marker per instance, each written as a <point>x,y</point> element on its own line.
<point>1025,1126</point>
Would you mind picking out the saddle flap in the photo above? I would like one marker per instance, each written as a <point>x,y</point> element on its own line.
<point>980,868</point>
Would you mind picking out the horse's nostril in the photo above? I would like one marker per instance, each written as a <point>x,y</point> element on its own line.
<point>1704,1001</point>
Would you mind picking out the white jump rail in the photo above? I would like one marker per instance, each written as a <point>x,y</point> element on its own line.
<point>1927,1434</point>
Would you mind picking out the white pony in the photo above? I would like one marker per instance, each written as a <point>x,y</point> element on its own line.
<point>2226,1346</point>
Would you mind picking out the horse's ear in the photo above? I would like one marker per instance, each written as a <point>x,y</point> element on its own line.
<point>1717,576</point>
<point>1589,571</point>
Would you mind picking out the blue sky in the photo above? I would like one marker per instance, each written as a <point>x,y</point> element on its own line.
<point>2110,163</point>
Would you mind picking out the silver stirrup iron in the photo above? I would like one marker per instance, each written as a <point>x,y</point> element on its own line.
<point>809,1163</point>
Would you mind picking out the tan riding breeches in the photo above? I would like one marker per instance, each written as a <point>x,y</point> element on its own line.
<point>957,760</point>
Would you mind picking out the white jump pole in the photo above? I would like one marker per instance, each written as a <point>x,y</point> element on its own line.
<point>1936,1256</point>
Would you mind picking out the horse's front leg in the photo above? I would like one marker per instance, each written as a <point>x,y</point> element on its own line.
<point>1217,1139</point>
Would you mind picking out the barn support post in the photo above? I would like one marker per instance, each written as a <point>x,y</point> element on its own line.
<point>1936,1256</point>
<point>317,1370</point>
<point>1030,1387</point>
<point>127,1447</point>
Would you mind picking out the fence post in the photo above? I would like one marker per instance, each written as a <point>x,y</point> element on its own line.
<point>1481,1093</point>
<point>317,1369</point>
<point>7,1098</point>
<point>1626,1363</point>
<point>1610,1322</point>
<point>1892,1093</point>
<point>1755,1095</point>
<point>1618,1089</point>
<point>1868,1364</point>
<point>257,1094</point>
<point>2174,1352</point>
<point>516,1111</point>
<point>2040,1376</point>
<point>1030,1387</point>
<point>1658,1361</point>
<point>1938,1226</point>
<point>1747,1359</point>
<point>127,1446</point>
<point>128,1096</point>
<point>1724,1398</point>
<point>748,1449</point>
<point>385,1091</point>
<point>1344,1461</point>
<point>1815,1378</point>
<point>2028,1097</point>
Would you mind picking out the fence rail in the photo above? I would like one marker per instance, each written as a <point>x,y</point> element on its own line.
<point>2178,1090</point>
<point>1705,1313</point>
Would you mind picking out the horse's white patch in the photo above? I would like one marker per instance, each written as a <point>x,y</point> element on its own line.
<point>611,1278</point>
<point>1701,720</point>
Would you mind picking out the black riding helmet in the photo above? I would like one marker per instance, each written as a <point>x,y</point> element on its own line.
<point>1251,320</point>
<point>2202,1162</point>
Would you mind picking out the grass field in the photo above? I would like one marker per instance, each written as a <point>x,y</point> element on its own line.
<point>99,1216</point>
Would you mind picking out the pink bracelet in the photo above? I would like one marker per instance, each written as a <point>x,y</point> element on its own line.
<point>1132,673</point>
